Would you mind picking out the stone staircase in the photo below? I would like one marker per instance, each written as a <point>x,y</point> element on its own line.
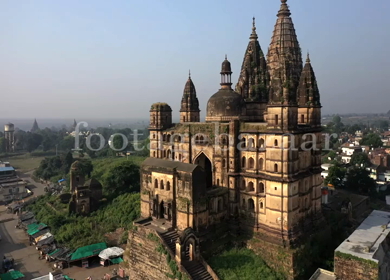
<point>196,269</point>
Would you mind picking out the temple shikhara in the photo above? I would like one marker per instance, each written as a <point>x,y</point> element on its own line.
<point>242,173</point>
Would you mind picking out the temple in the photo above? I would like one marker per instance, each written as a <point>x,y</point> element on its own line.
<point>252,168</point>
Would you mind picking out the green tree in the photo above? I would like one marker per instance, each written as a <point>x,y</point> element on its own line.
<point>360,159</point>
<point>335,176</point>
<point>67,143</point>
<point>372,140</point>
<point>86,166</point>
<point>358,179</point>
<point>32,141</point>
<point>383,125</point>
<point>68,162</point>
<point>123,177</point>
<point>2,145</point>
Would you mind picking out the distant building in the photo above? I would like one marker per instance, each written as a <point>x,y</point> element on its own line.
<point>365,253</point>
<point>85,194</point>
<point>35,126</point>
<point>11,186</point>
<point>347,150</point>
<point>9,135</point>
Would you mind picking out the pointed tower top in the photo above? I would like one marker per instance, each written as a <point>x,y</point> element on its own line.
<point>253,36</point>
<point>308,57</point>
<point>225,56</point>
<point>35,126</point>
<point>189,74</point>
<point>284,11</point>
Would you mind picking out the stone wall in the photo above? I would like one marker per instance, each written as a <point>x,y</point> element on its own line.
<point>348,267</point>
<point>276,256</point>
<point>141,259</point>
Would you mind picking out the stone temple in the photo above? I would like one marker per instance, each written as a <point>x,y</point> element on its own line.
<point>253,168</point>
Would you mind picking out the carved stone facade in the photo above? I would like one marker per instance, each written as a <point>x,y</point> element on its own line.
<point>247,167</point>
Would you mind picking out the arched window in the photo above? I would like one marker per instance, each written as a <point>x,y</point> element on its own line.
<point>302,118</point>
<point>243,185</point>
<point>276,143</point>
<point>154,120</point>
<point>184,119</point>
<point>161,185</point>
<point>261,188</point>
<point>251,163</point>
<point>154,154</point>
<point>251,143</point>
<point>154,136</point>
<point>261,164</point>
<point>243,145</point>
<point>156,183</point>
<point>201,139</point>
<point>276,120</point>
<point>196,139</point>
<point>223,162</point>
<point>168,186</point>
<point>217,182</point>
<point>243,162</point>
<point>251,187</point>
<point>275,168</point>
<point>251,205</point>
<point>261,143</point>
<point>168,138</point>
<point>165,153</point>
<point>179,157</point>
<point>261,205</point>
<point>164,137</point>
<point>169,154</point>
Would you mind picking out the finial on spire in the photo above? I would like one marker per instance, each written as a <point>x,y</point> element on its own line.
<point>308,57</point>
<point>284,1</point>
<point>225,56</point>
<point>254,22</point>
<point>284,11</point>
<point>189,74</point>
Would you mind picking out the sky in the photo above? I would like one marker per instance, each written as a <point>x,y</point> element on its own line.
<point>113,59</point>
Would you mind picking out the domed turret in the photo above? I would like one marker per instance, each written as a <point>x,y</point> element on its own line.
<point>226,104</point>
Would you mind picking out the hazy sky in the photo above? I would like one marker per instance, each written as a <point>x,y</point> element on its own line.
<point>114,58</point>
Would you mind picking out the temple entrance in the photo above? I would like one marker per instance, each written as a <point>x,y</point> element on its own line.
<point>190,252</point>
<point>205,163</point>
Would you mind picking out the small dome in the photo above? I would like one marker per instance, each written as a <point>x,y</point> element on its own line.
<point>161,106</point>
<point>225,105</point>
<point>226,67</point>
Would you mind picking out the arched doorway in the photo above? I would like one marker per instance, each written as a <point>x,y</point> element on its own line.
<point>205,163</point>
<point>162,209</point>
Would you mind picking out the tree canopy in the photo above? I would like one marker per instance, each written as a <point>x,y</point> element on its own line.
<point>360,159</point>
<point>123,177</point>
<point>372,140</point>
<point>336,176</point>
<point>358,179</point>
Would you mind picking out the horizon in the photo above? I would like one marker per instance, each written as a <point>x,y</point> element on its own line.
<point>70,59</point>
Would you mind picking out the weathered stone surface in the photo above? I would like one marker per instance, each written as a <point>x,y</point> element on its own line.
<point>351,269</point>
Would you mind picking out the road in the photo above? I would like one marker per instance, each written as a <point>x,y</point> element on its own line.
<point>15,244</point>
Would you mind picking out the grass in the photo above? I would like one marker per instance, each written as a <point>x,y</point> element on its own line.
<point>25,162</point>
<point>241,264</point>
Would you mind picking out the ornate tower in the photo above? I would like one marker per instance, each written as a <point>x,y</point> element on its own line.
<point>285,66</point>
<point>160,119</point>
<point>254,79</point>
<point>284,50</point>
<point>308,97</point>
<point>9,137</point>
<point>189,111</point>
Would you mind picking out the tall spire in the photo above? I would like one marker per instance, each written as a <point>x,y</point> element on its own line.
<point>284,55</point>
<point>253,81</point>
<point>35,126</point>
<point>253,36</point>
<point>308,93</point>
<point>189,109</point>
